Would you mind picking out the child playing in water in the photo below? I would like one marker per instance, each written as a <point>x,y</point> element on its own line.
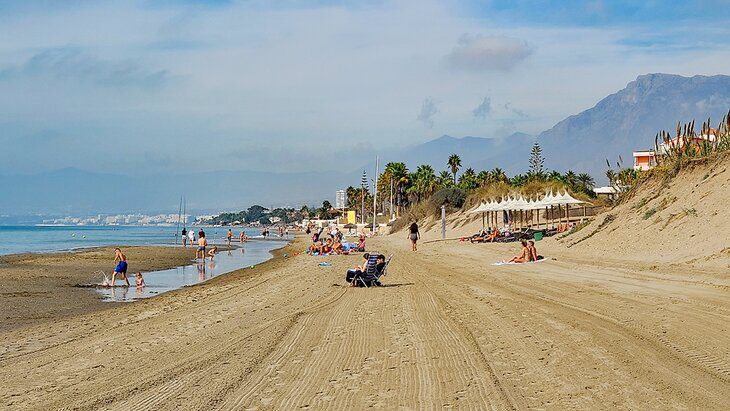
<point>212,251</point>
<point>140,280</point>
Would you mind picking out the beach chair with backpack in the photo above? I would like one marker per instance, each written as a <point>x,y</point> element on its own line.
<point>372,274</point>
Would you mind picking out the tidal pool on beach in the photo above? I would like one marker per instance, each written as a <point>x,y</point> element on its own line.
<point>158,282</point>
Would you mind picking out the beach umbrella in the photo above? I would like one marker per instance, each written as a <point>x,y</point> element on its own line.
<point>566,199</point>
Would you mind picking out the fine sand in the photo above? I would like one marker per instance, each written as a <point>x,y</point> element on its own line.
<point>37,288</point>
<point>449,331</point>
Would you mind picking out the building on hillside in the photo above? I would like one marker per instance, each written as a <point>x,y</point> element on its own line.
<point>608,192</point>
<point>679,142</point>
<point>644,160</point>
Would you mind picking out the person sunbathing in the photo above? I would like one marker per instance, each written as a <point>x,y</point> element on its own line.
<point>533,251</point>
<point>491,237</point>
<point>480,237</point>
<point>316,248</point>
<point>361,243</point>
<point>337,247</point>
<point>524,255</point>
<point>327,247</point>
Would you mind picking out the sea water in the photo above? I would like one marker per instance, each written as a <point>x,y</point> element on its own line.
<point>249,254</point>
<point>24,239</point>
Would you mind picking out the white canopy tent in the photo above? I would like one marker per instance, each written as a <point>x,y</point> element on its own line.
<point>520,204</point>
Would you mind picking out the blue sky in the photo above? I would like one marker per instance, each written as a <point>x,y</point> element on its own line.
<point>177,86</point>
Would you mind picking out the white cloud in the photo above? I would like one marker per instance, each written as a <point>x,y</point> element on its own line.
<point>483,108</point>
<point>72,64</point>
<point>311,79</point>
<point>487,52</point>
<point>428,110</point>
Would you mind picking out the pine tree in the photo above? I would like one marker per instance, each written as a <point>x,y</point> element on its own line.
<point>536,160</point>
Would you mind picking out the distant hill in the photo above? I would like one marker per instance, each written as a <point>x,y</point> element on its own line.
<point>510,153</point>
<point>629,119</point>
<point>618,124</point>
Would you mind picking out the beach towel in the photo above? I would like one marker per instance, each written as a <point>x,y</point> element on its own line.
<point>508,263</point>
<point>325,265</point>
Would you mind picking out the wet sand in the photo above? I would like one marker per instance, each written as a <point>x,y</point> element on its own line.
<point>37,288</point>
<point>449,331</point>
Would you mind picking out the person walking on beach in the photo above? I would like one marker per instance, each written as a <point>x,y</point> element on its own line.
<point>414,235</point>
<point>121,267</point>
<point>185,237</point>
<point>202,243</point>
<point>191,238</point>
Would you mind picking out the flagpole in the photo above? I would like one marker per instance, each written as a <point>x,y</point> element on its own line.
<point>375,193</point>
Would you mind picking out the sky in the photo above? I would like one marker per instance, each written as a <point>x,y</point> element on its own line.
<point>146,87</point>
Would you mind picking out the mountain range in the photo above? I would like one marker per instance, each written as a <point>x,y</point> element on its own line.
<point>616,125</point>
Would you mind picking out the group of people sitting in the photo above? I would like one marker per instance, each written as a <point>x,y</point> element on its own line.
<point>334,244</point>
<point>485,237</point>
<point>369,273</point>
<point>529,253</point>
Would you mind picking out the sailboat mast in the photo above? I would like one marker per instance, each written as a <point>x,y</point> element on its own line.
<point>179,211</point>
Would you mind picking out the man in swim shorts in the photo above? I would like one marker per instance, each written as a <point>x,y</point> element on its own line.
<point>121,266</point>
<point>202,242</point>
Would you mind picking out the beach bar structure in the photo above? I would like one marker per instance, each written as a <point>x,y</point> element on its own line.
<point>517,208</point>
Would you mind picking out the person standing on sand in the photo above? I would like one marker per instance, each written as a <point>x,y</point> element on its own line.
<point>229,236</point>
<point>414,235</point>
<point>121,266</point>
<point>191,238</point>
<point>202,243</point>
<point>185,237</point>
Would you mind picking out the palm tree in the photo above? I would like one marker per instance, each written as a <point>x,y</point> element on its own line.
<point>570,178</point>
<point>586,182</point>
<point>425,180</point>
<point>611,176</point>
<point>454,163</point>
<point>555,176</point>
<point>398,174</point>
<point>468,180</point>
<point>518,180</point>
<point>499,176</point>
<point>444,180</point>
<point>484,177</point>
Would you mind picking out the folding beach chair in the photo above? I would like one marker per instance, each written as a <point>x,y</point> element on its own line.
<point>371,268</point>
<point>385,268</point>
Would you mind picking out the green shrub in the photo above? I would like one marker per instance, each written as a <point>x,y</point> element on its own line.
<point>451,197</point>
<point>650,212</point>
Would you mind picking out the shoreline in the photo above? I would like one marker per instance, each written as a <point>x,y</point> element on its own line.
<point>36,288</point>
<point>41,287</point>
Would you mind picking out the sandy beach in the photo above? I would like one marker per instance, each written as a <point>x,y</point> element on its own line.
<point>448,331</point>
<point>37,288</point>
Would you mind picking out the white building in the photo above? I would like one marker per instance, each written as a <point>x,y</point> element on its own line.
<point>340,199</point>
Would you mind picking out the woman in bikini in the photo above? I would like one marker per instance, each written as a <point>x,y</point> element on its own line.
<point>524,255</point>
